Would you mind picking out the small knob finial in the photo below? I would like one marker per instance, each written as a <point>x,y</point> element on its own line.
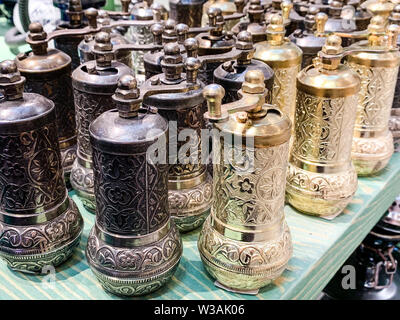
<point>253,82</point>
<point>213,93</point>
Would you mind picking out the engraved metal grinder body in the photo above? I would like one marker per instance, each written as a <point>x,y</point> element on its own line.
<point>321,178</point>
<point>85,47</point>
<point>189,183</point>
<point>245,243</point>
<point>284,57</point>
<point>48,73</point>
<point>309,40</point>
<point>94,83</point>
<point>373,141</point>
<point>133,226</point>
<point>39,224</point>
<point>230,74</point>
<point>394,121</point>
<point>69,45</point>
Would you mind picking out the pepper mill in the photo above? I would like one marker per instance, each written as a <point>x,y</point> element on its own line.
<point>284,57</point>
<point>48,73</point>
<point>230,75</point>
<point>94,83</point>
<point>133,227</point>
<point>245,243</point>
<point>321,178</point>
<point>40,225</point>
<point>310,40</point>
<point>69,45</point>
<point>189,184</point>
<point>373,141</point>
<point>283,8</point>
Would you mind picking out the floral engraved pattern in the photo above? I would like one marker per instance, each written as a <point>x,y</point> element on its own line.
<point>59,90</point>
<point>137,259</point>
<point>376,96</point>
<point>30,172</point>
<point>131,195</point>
<point>284,89</point>
<point>323,128</point>
<point>88,107</point>
<point>256,197</point>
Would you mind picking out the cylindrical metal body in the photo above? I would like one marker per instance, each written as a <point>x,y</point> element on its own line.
<point>231,77</point>
<point>284,58</point>
<point>133,226</point>
<point>321,178</point>
<point>187,12</point>
<point>85,49</point>
<point>69,45</point>
<point>245,243</point>
<point>92,95</point>
<point>189,185</point>
<point>373,142</point>
<point>49,74</point>
<point>40,225</point>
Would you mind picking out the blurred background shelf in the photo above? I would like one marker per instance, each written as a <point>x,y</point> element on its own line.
<point>320,248</point>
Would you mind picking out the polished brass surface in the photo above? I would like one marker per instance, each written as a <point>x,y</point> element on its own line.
<point>40,225</point>
<point>231,12</point>
<point>321,178</point>
<point>373,142</point>
<point>394,122</point>
<point>279,7</point>
<point>284,57</point>
<point>245,243</point>
<point>382,8</point>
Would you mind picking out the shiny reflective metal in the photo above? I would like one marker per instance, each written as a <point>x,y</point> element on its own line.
<point>284,57</point>
<point>230,75</point>
<point>382,8</point>
<point>232,11</point>
<point>39,224</point>
<point>245,243</point>
<point>189,184</point>
<point>69,45</point>
<point>309,40</point>
<point>373,142</point>
<point>280,7</point>
<point>48,73</point>
<point>254,23</point>
<point>321,178</point>
<point>94,83</point>
<point>133,226</point>
<point>86,46</point>
<point>394,121</point>
<point>187,12</point>
<point>362,16</point>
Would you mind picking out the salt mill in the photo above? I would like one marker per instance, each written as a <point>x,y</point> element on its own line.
<point>245,243</point>
<point>189,184</point>
<point>321,178</point>
<point>40,225</point>
<point>373,141</point>
<point>133,225</point>
<point>309,40</point>
<point>48,73</point>
<point>230,74</point>
<point>284,57</point>
<point>94,83</point>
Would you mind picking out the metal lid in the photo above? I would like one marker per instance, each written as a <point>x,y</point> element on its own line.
<point>126,135</point>
<point>379,7</point>
<point>377,39</point>
<point>277,51</point>
<point>41,59</point>
<point>395,15</point>
<point>17,106</point>
<point>329,78</point>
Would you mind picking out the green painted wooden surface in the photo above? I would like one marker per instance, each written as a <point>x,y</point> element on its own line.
<point>320,248</point>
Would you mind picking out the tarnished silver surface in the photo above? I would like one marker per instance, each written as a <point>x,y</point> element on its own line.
<point>39,224</point>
